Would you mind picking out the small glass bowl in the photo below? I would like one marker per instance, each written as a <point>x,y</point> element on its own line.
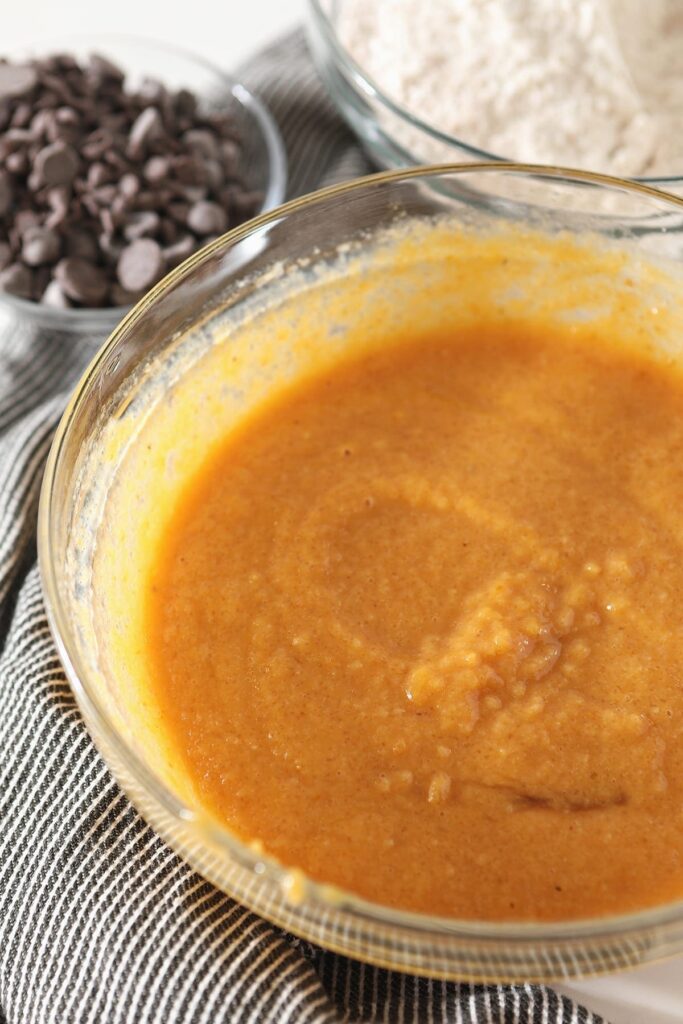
<point>191,312</point>
<point>391,135</point>
<point>264,165</point>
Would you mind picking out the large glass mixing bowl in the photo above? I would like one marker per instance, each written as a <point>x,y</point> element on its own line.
<point>198,307</point>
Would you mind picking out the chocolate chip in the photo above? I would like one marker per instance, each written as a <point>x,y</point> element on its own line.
<point>120,297</point>
<point>14,138</point>
<point>105,194</point>
<point>119,208</point>
<point>98,174</point>
<point>17,163</point>
<point>214,174</point>
<point>139,225</point>
<point>140,265</point>
<point>26,219</point>
<point>192,193</point>
<point>58,201</point>
<point>64,125</point>
<point>59,87</point>
<point>107,220</point>
<point>168,231</point>
<point>207,218</point>
<point>54,296</point>
<point>67,116</point>
<point>22,115</point>
<point>65,62</point>
<point>90,205</point>
<point>79,242</point>
<point>48,100</point>
<point>16,80</point>
<point>104,69</point>
<point>40,122</point>
<point>246,204</point>
<point>147,127</point>
<point>156,169</point>
<point>129,186</point>
<point>230,154</point>
<point>189,170</point>
<point>186,103</point>
<point>41,279</point>
<point>151,91</point>
<point>40,246</point>
<point>179,251</point>
<point>94,149</point>
<point>110,247</point>
<point>56,164</point>
<point>16,279</point>
<point>116,159</point>
<point>147,200</point>
<point>81,281</point>
<point>179,212</point>
<point>5,193</point>
<point>202,141</point>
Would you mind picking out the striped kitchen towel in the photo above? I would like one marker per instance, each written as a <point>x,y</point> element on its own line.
<point>101,923</point>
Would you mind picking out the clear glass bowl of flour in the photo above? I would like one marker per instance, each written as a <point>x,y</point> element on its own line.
<point>598,85</point>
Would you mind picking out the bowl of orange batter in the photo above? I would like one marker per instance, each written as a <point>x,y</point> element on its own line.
<point>361,544</point>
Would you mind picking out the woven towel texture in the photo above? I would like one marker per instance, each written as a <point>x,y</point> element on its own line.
<point>100,923</point>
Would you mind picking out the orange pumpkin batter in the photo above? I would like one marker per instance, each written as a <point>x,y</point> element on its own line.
<point>416,626</point>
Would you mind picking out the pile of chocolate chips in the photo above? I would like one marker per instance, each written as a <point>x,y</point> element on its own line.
<point>103,190</point>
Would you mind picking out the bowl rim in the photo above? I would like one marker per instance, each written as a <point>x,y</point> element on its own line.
<point>260,864</point>
<point>275,192</point>
<point>367,84</point>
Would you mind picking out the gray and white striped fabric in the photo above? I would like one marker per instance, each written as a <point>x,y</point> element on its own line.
<point>100,923</point>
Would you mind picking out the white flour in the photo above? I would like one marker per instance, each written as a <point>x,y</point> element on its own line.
<point>585,83</point>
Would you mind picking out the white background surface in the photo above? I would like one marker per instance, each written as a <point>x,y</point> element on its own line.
<point>224,31</point>
<point>227,32</point>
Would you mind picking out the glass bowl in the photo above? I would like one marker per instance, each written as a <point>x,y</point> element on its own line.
<point>391,135</point>
<point>196,311</point>
<point>264,167</point>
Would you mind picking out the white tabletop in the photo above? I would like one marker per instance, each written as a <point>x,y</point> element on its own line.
<point>649,995</point>
<point>226,33</point>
